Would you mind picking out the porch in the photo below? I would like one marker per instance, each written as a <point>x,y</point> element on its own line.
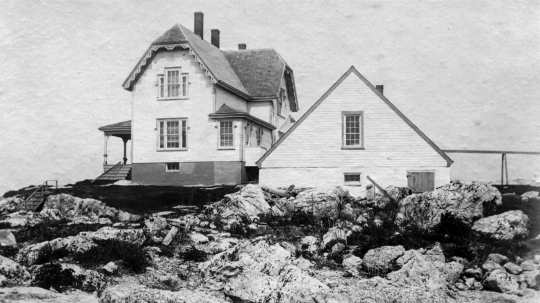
<point>120,170</point>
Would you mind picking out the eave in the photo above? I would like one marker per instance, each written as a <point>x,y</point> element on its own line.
<point>244,116</point>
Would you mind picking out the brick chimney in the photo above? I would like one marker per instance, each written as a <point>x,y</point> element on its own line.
<point>199,24</point>
<point>241,46</point>
<point>380,88</point>
<point>215,37</point>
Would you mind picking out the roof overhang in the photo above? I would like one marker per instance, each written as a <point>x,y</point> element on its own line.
<point>244,116</point>
<point>121,129</point>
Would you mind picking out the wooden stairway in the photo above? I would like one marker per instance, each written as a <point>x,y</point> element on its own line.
<point>35,201</point>
<point>116,172</point>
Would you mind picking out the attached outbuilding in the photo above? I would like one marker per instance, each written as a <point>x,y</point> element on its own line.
<point>351,132</point>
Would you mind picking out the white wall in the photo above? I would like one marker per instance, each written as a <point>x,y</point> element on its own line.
<point>202,135</point>
<point>261,110</point>
<point>232,100</point>
<point>312,154</point>
<point>317,176</point>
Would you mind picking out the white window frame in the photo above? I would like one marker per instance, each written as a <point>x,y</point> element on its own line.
<point>232,133</point>
<point>162,84</point>
<point>352,182</point>
<point>172,170</point>
<point>161,124</point>
<point>344,116</point>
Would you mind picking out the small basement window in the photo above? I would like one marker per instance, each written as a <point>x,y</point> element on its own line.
<point>352,178</point>
<point>173,167</point>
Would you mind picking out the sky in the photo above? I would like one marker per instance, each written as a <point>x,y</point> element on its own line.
<point>467,73</point>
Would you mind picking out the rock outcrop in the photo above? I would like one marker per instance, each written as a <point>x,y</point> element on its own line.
<point>505,226</point>
<point>71,206</point>
<point>466,201</point>
<point>15,273</point>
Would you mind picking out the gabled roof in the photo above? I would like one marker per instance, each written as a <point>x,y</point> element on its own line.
<point>251,74</point>
<point>212,57</point>
<point>260,70</point>
<point>225,109</point>
<point>352,69</point>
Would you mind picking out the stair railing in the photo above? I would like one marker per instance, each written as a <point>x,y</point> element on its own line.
<point>41,187</point>
<point>108,170</point>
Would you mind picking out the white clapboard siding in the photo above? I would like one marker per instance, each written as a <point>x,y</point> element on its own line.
<point>231,100</point>
<point>388,140</point>
<point>202,135</point>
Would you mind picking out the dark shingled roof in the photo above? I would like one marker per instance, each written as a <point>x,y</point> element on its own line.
<point>260,70</point>
<point>116,126</point>
<point>225,109</point>
<point>248,73</point>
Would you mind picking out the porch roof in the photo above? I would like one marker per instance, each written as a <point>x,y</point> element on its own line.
<point>120,129</point>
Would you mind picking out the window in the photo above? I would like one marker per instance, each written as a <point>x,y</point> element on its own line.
<point>353,130</point>
<point>352,178</point>
<point>259,136</point>
<point>172,167</point>
<point>172,84</point>
<point>172,134</point>
<point>226,135</point>
<point>281,102</point>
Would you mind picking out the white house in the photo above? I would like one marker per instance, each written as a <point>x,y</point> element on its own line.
<point>201,115</point>
<point>351,132</point>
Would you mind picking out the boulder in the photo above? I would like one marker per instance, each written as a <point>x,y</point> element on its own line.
<point>110,268</point>
<point>501,281</point>
<point>71,206</point>
<point>452,271</point>
<point>248,202</point>
<point>155,224</point>
<point>497,258</point>
<point>324,201</point>
<point>21,218</point>
<point>506,226</point>
<point>135,236</point>
<point>337,248</point>
<point>333,236</point>
<point>20,294</point>
<point>530,278</point>
<point>10,204</point>
<point>397,193</point>
<point>489,266</point>
<point>382,260</point>
<point>309,243</point>
<point>302,263</point>
<point>125,293</point>
<point>352,262</point>
<point>474,273</point>
<point>420,268</point>
<point>124,216</point>
<point>530,196</point>
<point>466,201</point>
<point>15,273</point>
<point>290,248</point>
<point>512,268</point>
<point>52,215</point>
<point>198,238</point>
<point>528,265</point>
<point>7,238</point>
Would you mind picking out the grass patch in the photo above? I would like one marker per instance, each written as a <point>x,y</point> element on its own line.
<point>53,276</point>
<point>142,199</point>
<point>49,230</point>
<point>9,251</point>
<point>133,256</point>
<point>194,254</point>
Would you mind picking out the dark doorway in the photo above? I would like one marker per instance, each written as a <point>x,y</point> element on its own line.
<point>252,173</point>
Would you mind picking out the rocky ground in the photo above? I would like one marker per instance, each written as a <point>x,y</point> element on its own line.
<point>463,242</point>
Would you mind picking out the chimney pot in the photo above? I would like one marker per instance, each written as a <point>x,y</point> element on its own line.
<point>199,24</point>
<point>380,88</point>
<point>215,37</point>
<point>241,46</point>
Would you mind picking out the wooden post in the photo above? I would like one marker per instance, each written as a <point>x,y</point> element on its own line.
<point>105,150</point>
<point>502,170</point>
<point>125,144</point>
<point>380,189</point>
<point>506,167</point>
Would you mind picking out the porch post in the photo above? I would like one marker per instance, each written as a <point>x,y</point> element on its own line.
<point>125,143</point>
<point>105,149</point>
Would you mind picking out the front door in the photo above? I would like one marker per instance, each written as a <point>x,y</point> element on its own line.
<point>421,181</point>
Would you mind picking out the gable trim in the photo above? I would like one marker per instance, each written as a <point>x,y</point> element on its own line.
<point>151,52</point>
<point>352,69</point>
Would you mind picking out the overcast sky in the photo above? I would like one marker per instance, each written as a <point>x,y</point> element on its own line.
<point>467,73</point>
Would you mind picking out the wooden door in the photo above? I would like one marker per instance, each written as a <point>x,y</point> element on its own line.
<point>421,181</point>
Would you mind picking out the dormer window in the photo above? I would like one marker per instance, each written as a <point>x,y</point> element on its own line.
<point>172,84</point>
